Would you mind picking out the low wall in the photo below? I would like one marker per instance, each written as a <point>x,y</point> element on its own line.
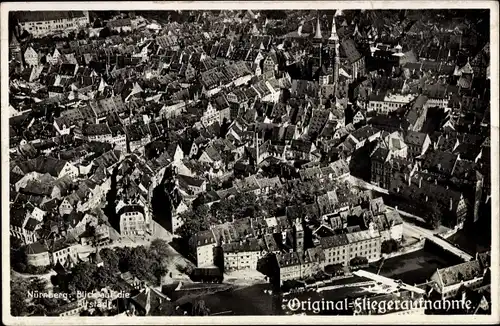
<point>366,185</point>
<point>447,234</point>
<point>406,250</point>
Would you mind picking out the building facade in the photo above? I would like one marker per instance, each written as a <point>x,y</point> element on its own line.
<point>41,23</point>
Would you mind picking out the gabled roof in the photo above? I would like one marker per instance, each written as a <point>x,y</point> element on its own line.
<point>39,16</point>
<point>415,138</point>
<point>461,272</point>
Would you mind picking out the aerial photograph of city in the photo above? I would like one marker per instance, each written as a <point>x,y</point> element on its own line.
<point>249,162</point>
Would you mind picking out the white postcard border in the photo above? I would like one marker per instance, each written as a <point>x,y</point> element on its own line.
<point>289,5</point>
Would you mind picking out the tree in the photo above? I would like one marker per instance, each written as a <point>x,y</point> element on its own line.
<point>159,248</point>
<point>358,261</point>
<point>270,206</point>
<point>159,270</point>
<point>18,259</point>
<point>194,221</point>
<point>227,158</point>
<point>334,269</point>
<point>18,295</point>
<point>123,258</point>
<point>434,215</point>
<point>105,276</point>
<point>82,277</point>
<point>389,246</point>
<point>37,285</point>
<point>145,266</point>
<point>319,276</point>
<point>46,306</point>
<point>38,309</point>
<point>200,308</point>
<point>92,232</point>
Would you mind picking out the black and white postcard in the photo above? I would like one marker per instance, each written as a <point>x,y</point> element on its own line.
<point>250,162</point>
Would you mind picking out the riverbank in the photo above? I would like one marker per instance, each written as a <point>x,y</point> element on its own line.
<point>244,278</point>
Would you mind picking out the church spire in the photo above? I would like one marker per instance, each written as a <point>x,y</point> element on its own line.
<point>257,154</point>
<point>318,29</point>
<point>334,37</point>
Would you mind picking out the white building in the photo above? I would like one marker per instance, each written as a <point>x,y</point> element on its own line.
<point>449,280</point>
<point>242,255</point>
<point>172,110</point>
<point>385,103</point>
<point>212,115</point>
<point>177,222</point>
<point>364,244</point>
<point>70,170</point>
<point>63,253</point>
<point>358,117</point>
<point>31,57</point>
<point>54,58</point>
<point>205,244</point>
<point>395,143</point>
<point>41,23</point>
<point>134,220</point>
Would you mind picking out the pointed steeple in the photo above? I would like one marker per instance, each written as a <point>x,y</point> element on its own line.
<point>255,30</point>
<point>334,37</point>
<point>318,30</point>
<point>299,29</point>
<point>14,43</point>
<point>257,154</point>
<point>102,85</point>
<point>356,31</point>
<point>148,300</point>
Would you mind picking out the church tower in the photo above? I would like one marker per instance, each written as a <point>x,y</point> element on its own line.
<point>318,35</point>
<point>299,235</point>
<point>334,40</point>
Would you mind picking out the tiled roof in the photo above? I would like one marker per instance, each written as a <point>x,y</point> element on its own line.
<point>461,272</point>
<point>334,241</point>
<point>96,129</point>
<point>288,259</point>
<point>415,138</point>
<point>248,245</point>
<point>36,248</point>
<point>36,16</point>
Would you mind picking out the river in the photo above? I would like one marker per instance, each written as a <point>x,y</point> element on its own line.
<point>475,237</point>
<point>412,268</point>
